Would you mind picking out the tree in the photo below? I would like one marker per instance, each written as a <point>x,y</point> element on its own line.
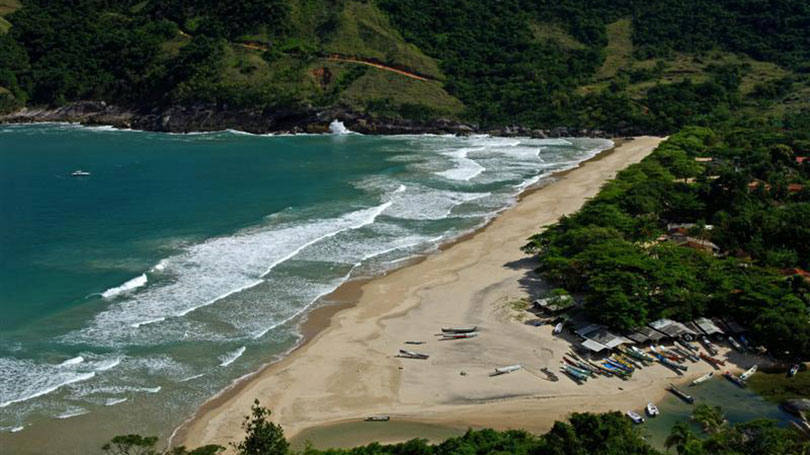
<point>263,436</point>
<point>711,418</point>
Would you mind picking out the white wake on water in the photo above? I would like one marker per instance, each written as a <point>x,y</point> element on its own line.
<point>229,358</point>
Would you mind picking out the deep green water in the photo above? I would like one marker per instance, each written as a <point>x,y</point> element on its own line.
<point>184,261</point>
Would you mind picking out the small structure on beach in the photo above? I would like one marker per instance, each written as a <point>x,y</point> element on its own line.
<point>597,338</point>
<point>644,335</point>
<point>554,305</point>
<point>707,327</point>
<point>671,329</point>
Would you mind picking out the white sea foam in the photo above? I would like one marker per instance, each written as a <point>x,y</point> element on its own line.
<point>211,271</point>
<point>465,168</point>
<point>44,386</point>
<point>72,412</point>
<point>229,358</point>
<point>17,429</point>
<point>130,285</point>
<point>114,401</point>
<point>337,127</point>
<point>73,361</point>
<point>192,377</point>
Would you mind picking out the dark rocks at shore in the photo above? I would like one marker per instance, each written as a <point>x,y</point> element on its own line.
<point>205,117</point>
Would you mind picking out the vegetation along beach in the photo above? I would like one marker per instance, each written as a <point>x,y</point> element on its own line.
<point>398,227</point>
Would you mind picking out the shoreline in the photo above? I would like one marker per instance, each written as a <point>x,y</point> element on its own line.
<point>217,421</point>
<point>311,323</point>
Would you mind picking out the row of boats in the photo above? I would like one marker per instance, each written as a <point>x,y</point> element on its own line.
<point>447,333</point>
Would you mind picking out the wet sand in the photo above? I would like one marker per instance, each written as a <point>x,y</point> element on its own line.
<point>347,368</point>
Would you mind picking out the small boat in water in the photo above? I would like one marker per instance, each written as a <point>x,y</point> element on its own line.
<point>735,379</point>
<point>793,370</point>
<point>635,417</point>
<point>703,378</point>
<point>748,373</point>
<point>459,329</point>
<point>378,418</point>
<point>505,370</point>
<point>79,173</point>
<point>558,328</point>
<point>652,409</point>
<point>681,394</point>
<point>412,355</point>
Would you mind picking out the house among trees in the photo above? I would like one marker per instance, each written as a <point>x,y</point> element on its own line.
<point>554,305</point>
<point>697,244</point>
<point>671,329</point>
<point>598,338</point>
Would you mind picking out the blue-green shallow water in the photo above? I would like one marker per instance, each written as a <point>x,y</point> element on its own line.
<point>184,261</point>
<point>738,404</point>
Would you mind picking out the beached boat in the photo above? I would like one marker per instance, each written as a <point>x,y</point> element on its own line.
<point>712,360</point>
<point>709,346</point>
<point>459,329</point>
<point>735,379</point>
<point>558,328</point>
<point>378,418</point>
<point>641,354</point>
<point>748,373</point>
<point>681,394</point>
<point>550,375</point>
<point>703,378</point>
<point>635,417</point>
<point>687,345</point>
<point>652,409</point>
<point>79,173</point>
<point>575,372</point>
<point>457,336</point>
<point>670,363</point>
<point>793,370</point>
<point>412,355</point>
<point>735,344</point>
<point>415,342</point>
<point>505,370</point>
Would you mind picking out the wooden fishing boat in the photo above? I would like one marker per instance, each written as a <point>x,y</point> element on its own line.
<point>459,329</point>
<point>712,360</point>
<point>703,378</point>
<point>378,418</point>
<point>415,342</point>
<point>550,375</point>
<point>412,355</point>
<point>505,370</point>
<point>458,336</point>
<point>735,344</point>
<point>736,380</point>
<point>709,346</point>
<point>748,373</point>
<point>681,394</point>
<point>687,345</point>
<point>670,363</point>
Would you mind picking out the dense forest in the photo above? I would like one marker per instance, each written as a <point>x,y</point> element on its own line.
<point>591,434</point>
<point>625,65</point>
<point>744,188</point>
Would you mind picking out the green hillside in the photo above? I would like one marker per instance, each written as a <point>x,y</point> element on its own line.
<point>628,65</point>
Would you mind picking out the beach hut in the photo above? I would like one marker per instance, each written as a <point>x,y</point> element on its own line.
<point>671,329</point>
<point>554,305</point>
<point>707,327</point>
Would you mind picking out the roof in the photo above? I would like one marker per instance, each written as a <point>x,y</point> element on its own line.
<point>555,303</point>
<point>593,346</point>
<point>670,328</point>
<point>605,337</point>
<point>707,326</point>
<point>587,328</point>
<point>644,334</point>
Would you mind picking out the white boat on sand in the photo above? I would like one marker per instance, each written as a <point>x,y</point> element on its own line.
<point>506,370</point>
<point>652,409</point>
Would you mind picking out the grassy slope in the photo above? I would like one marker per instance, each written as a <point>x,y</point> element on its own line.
<point>358,29</point>
<point>619,56</point>
<point>544,31</point>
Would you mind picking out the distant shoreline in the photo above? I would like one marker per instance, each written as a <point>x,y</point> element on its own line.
<point>208,118</point>
<point>347,368</point>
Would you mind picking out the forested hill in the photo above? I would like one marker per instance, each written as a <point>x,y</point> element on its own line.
<point>620,65</point>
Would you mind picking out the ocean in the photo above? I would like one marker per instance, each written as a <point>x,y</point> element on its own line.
<point>186,261</point>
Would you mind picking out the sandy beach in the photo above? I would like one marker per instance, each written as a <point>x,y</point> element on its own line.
<point>349,369</point>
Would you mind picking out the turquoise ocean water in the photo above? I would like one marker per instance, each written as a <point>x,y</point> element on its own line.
<point>185,261</point>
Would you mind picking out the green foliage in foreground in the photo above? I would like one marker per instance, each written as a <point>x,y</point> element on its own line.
<point>610,251</point>
<point>583,434</point>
